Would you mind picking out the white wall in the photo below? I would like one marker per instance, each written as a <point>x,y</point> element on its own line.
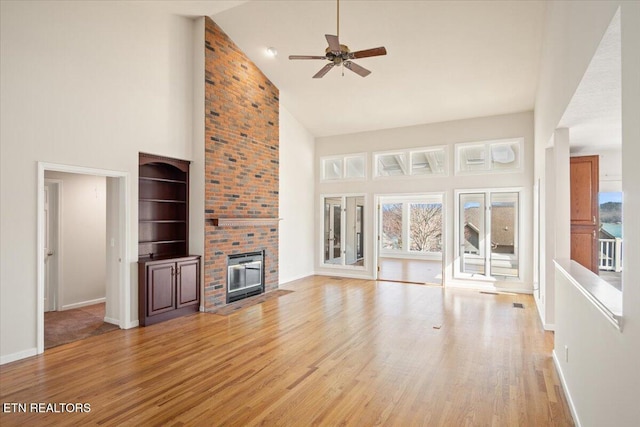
<point>296,199</point>
<point>610,167</point>
<point>568,46</point>
<point>86,84</point>
<point>602,378</point>
<point>447,133</point>
<point>83,211</point>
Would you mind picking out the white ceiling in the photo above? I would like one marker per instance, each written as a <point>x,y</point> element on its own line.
<point>594,115</point>
<point>446,60</point>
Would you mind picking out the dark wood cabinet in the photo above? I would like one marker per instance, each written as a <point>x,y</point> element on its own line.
<point>168,278</point>
<point>168,288</point>
<point>584,175</point>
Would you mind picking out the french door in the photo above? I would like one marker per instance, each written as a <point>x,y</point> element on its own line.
<point>488,234</point>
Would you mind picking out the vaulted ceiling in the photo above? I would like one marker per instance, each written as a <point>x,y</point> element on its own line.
<point>446,60</point>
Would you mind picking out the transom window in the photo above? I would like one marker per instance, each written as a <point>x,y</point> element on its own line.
<point>351,166</point>
<point>414,162</point>
<point>490,156</point>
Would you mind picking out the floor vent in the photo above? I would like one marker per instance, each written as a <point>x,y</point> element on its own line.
<point>488,293</point>
<point>518,305</point>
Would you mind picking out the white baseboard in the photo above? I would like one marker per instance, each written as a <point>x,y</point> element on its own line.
<point>485,287</point>
<point>112,321</point>
<point>565,388</point>
<point>344,274</point>
<point>545,326</point>
<point>293,279</point>
<point>82,304</point>
<point>132,324</point>
<point>18,356</point>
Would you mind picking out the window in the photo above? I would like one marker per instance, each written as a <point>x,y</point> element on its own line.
<point>428,162</point>
<point>414,162</point>
<point>488,232</point>
<point>351,166</point>
<point>488,157</point>
<point>411,225</point>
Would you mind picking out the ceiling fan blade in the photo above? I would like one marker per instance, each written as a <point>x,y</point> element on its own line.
<point>361,71</point>
<point>324,70</point>
<point>306,57</point>
<point>376,51</point>
<point>334,43</point>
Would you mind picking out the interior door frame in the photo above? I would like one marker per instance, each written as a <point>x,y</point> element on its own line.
<point>54,291</point>
<point>123,232</point>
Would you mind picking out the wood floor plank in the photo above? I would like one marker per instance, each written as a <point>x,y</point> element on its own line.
<point>333,352</point>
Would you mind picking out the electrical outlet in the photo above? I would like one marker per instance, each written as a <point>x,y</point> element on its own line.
<point>566,353</point>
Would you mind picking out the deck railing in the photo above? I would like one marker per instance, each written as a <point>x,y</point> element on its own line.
<point>611,254</point>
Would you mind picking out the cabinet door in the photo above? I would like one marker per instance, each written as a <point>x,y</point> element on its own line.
<point>583,241</point>
<point>160,288</point>
<point>584,190</point>
<point>188,282</point>
<point>584,211</point>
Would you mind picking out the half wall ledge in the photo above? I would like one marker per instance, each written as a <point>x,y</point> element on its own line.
<point>243,222</point>
<point>606,298</point>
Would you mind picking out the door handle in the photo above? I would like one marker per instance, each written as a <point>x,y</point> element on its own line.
<point>49,253</point>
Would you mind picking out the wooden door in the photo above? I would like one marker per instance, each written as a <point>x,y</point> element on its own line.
<point>584,175</point>
<point>188,282</point>
<point>160,288</point>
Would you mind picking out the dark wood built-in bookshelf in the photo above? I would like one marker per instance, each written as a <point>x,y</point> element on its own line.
<point>163,241</point>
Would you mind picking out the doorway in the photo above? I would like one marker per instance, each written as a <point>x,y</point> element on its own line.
<point>410,238</point>
<point>49,267</point>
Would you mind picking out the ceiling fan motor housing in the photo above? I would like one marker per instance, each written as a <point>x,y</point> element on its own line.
<point>337,59</point>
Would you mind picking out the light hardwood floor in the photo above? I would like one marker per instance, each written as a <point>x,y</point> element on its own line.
<point>410,270</point>
<point>334,352</point>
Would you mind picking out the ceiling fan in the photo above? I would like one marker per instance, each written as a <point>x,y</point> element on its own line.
<point>338,54</point>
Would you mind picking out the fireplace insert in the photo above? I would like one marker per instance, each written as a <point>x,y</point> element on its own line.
<point>245,275</point>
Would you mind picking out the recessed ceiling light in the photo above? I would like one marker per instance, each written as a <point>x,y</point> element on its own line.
<point>271,51</point>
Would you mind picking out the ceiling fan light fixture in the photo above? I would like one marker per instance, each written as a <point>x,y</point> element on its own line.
<point>340,55</point>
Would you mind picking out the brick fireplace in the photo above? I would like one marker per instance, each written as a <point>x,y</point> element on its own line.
<point>241,164</point>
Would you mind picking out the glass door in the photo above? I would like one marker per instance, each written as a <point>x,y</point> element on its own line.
<point>472,233</point>
<point>504,234</point>
<point>488,230</point>
<point>333,230</point>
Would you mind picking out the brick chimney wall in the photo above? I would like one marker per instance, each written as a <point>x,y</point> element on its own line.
<point>241,162</point>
